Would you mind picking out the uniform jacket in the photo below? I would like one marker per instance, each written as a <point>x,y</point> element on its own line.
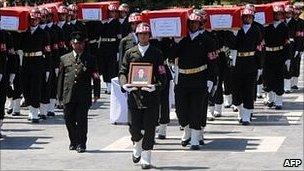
<point>139,98</point>
<point>75,78</point>
<point>125,44</point>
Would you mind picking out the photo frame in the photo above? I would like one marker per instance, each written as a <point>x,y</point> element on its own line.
<point>140,74</point>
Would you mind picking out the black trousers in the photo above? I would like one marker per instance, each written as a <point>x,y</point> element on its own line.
<point>17,91</point>
<point>190,104</point>
<point>227,78</point>
<point>76,121</point>
<point>109,67</point>
<point>53,80</point>
<point>244,89</point>
<point>295,66</point>
<point>143,119</point>
<point>164,104</point>
<point>45,90</point>
<point>217,98</point>
<point>32,78</point>
<point>3,89</point>
<point>274,74</point>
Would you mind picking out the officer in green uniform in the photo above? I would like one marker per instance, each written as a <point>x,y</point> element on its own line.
<point>76,70</point>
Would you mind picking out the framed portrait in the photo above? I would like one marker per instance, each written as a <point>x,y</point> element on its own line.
<point>140,74</point>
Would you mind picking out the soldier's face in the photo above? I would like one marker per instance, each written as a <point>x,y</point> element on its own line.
<point>144,38</point>
<point>123,14</point>
<point>194,26</point>
<point>78,46</point>
<point>133,26</point>
<point>288,14</point>
<point>278,16</point>
<point>247,19</point>
<point>34,22</point>
<point>113,14</point>
<point>43,19</point>
<point>62,17</point>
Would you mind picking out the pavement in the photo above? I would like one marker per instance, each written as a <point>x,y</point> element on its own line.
<point>273,136</point>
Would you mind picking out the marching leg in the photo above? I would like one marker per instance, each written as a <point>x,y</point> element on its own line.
<point>195,138</point>
<point>10,105</point>
<point>218,110</point>
<point>240,113</point>
<point>186,136</point>
<point>287,85</point>
<point>16,107</point>
<point>210,113</point>
<point>137,150</point>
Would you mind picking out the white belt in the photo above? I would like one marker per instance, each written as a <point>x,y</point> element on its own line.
<point>33,54</point>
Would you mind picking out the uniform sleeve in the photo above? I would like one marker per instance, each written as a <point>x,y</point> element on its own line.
<point>121,51</point>
<point>12,59</point>
<point>60,81</point>
<point>259,54</point>
<point>160,72</point>
<point>47,51</point>
<point>124,70</point>
<point>287,46</point>
<point>212,55</point>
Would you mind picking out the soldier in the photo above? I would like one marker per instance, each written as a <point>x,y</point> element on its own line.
<point>7,73</point>
<point>143,103</point>
<point>131,39</point>
<point>77,69</point>
<point>196,59</point>
<point>64,24</point>
<point>245,62</point>
<point>291,24</point>
<point>277,55</point>
<point>45,87</point>
<point>110,35</point>
<point>57,46</point>
<point>299,47</point>
<point>14,91</point>
<point>35,46</point>
<point>125,25</point>
<point>77,25</point>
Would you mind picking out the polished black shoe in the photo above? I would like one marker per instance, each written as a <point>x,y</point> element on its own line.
<point>50,114</point>
<point>72,147</point>
<point>135,159</point>
<point>240,121</point>
<point>35,120</point>
<point>194,147</point>
<point>181,128</point>
<point>278,107</point>
<point>16,114</point>
<point>245,123</point>
<point>161,137</point>
<point>201,142</point>
<point>1,136</point>
<point>271,104</point>
<point>235,109</point>
<point>80,149</point>
<point>227,106</point>
<point>260,97</point>
<point>9,111</point>
<point>295,87</point>
<point>146,166</point>
<point>43,117</point>
<point>186,142</point>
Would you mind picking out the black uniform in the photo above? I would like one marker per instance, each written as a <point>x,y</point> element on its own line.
<point>143,106</point>
<point>109,34</point>
<point>245,70</point>
<point>92,28</point>
<point>17,91</point>
<point>36,49</point>
<point>68,29</point>
<point>125,27</point>
<point>196,56</point>
<point>277,52</point>
<point>6,68</point>
<point>291,24</point>
<point>54,32</point>
<point>298,46</point>
<point>75,82</point>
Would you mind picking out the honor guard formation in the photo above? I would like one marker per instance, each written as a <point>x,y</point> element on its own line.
<point>60,61</point>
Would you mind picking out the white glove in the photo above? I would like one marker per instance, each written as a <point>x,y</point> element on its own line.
<point>20,53</point>
<point>1,77</point>
<point>11,79</point>
<point>47,74</point>
<point>149,88</point>
<point>56,72</point>
<point>177,39</point>
<point>209,85</point>
<point>175,78</point>
<point>287,63</point>
<point>296,54</point>
<point>119,36</point>
<point>302,54</point>
<point>129,88</point>
<point>260,71</point>
<point>232,56</point>
<point>117,57</point>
